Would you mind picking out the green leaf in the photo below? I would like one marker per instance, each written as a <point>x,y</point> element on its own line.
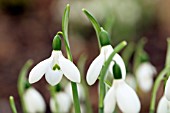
<point>22,80</point>
<point>12,104</point>
<point>65,21</point>
<point>94,23</point>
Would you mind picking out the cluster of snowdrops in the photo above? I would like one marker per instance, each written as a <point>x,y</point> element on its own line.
<point>117,85</point>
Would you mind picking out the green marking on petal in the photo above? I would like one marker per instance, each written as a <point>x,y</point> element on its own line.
<point>56,66</point>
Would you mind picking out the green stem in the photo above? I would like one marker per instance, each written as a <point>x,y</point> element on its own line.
<point>53,95</point>
<point>81,66</point>
<point>22,82</point>
<point>65,20</point>
<point>117,49</point>
<point>155,88</point>
<point>12,104</point>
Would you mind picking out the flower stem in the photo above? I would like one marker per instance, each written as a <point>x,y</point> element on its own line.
<point>160,77</point>
<point>53,95</point>
<point>65,20</point>
<point>22,82</point>
<point>117,49</point>
<point>81,66</point>
<point>12,104</point>
<point>155,88</point>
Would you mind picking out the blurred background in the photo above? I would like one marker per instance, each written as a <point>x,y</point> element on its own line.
<point>27,28</point>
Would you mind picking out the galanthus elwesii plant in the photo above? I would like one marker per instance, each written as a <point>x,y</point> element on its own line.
<point>54,67</point>
<point>145,72</point>
<point>106,50</point>
<point>57,65</point>
<point>122,94</point>
<point>107,58</point>
<point>72,96</point>
<point>143,69</point>
<point>34,101</point>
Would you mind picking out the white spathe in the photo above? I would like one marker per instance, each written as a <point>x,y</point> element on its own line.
<point>124,96</point>
<point>53,77</point>
<point>63,101</point>
<point>167,89</point>
<point>34,102</point>
<point>163,105</point>
<point>96,66</point>
<point>80,89</point>
<point>144,75</point>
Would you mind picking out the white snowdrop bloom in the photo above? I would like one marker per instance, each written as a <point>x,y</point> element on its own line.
<point>131,81</point>
<point>144,75</point>
<point>54,68</point>
<point>34,102</point>
<point>167,89</point>
<point>163,105</point>
<point>96,66</point>
<point>124,96</point>
<point>80,90</point>
<point>63,102</point>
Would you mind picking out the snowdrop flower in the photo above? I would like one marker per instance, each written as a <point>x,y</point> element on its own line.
<point>80,90</point>
<point>163,105</point>
<point>54,67</point>
<point>122,94</point>
<point>63,103</point>
<point>167,89</point>
<point>144,75</point>
<point>96,66</point>
<point>34,102</point>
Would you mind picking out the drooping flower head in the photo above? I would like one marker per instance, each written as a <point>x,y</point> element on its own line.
<point>96,66</point>
<point>144,74</point>
<point>163,105</point>
<point>63,102</point>
<point>54,67</point>
<point>122,94</point>
<point>34,101</point>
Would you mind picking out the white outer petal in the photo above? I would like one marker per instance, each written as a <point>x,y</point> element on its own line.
<point>69,69</point>
<point>107,50</point>
<point>144,74</point>
<point>167,89</point>
<point>94,69</point>
<point>34,101</point>
<point>39,70</point>
<point>63,101</point>
<point>80,89</point>
<point>145,82</point>
<point>127,98</point>
<point>110,100</point>
<point>121,63</point>
<point>53,77</point>
<point>163,105</point>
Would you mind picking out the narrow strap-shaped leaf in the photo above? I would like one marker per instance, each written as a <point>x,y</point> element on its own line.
<point>65,21</point>
<point>12,104</point>
<point>94,23</point>
<point>22,82</point>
